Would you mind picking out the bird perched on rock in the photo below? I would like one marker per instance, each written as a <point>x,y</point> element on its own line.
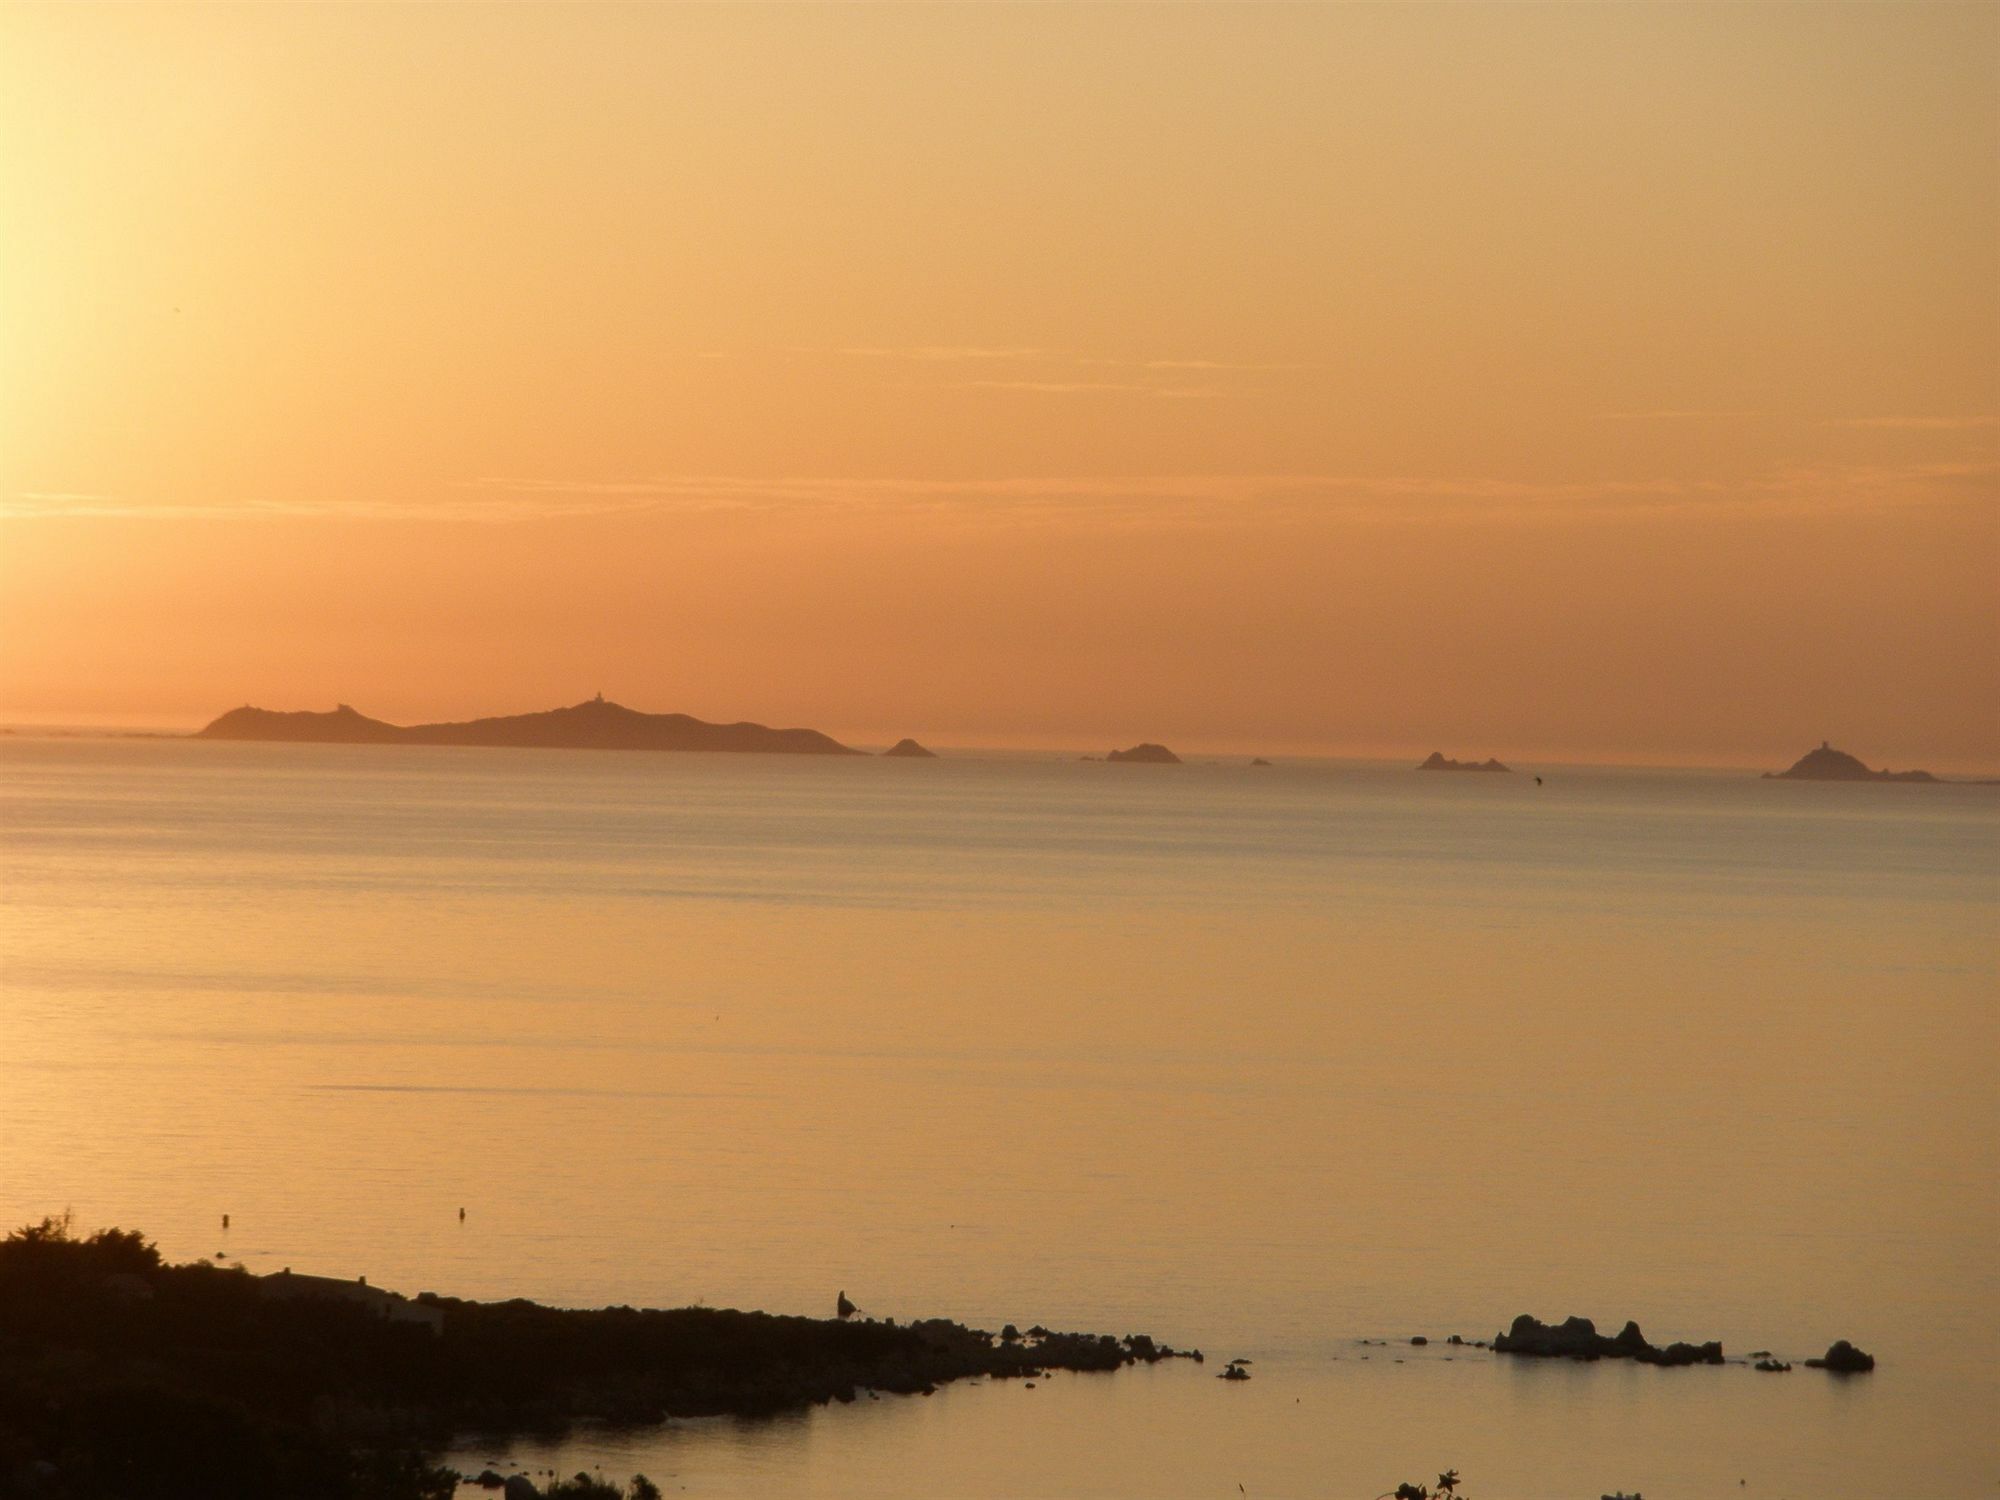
<point>842,1307</point>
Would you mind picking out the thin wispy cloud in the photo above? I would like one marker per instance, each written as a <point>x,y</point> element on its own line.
<point>481,508</point>
<point>1672,414</point>
<point>1277,497</point>
<point>1138,499</point>
<point>1921,424</point>
<point>1095,388</point>
<point>1055,358</point>
<point>1221,366</point>
<point>937,353</point>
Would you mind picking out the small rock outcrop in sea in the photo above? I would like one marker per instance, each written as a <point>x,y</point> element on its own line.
<point>1578,1338</point>
<point>1439,761</point>
<point>1145,755</point>
<point>1843,1359</point>
<point>1771,1366</point>
<point>1260,761</point>
<point>1829,764</point>
<point>908,749</point>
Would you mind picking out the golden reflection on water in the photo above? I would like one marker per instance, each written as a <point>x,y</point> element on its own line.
<point>1262,1065</point>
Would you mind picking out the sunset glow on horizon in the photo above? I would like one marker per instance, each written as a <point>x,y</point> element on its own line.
<point>1604,384</point>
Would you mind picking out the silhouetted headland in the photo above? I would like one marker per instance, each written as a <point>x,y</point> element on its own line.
<point>216,1383</point>
<point>595,725</point>
<point>1829,764</point>
<point>1439,761</point>
<point>1145,755</point>
<point>910,750</point>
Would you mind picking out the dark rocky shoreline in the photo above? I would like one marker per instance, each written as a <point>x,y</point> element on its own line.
<point>122,1376</point>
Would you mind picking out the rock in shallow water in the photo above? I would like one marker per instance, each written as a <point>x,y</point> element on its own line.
<point>1843,1359</point>
<point>1578,1338</point>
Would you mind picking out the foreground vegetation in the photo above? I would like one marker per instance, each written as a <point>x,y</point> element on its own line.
<point>123,1376</point>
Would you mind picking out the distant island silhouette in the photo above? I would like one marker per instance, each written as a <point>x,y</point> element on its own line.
<point>907,749</point>
<point>1439,761</point>
<point>1145,755</point>
<point>595,725</point>
<point>1829,764</point>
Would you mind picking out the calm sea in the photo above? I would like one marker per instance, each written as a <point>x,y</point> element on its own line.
<point>1264,1061</point>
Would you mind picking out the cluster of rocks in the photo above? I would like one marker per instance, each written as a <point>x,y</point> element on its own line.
<point>579,1487</point>
<point>1843,1359</point>
<point>1578,1338</point>
<point>1015,1355</point>
<point>1141,1348</point>
<point>1439,761</point>
<point>512,1486</point>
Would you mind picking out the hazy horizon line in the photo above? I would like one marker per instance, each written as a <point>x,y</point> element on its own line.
<point>34,723</point>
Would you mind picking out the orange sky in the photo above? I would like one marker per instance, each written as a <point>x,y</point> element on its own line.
<point>1611,382</point>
